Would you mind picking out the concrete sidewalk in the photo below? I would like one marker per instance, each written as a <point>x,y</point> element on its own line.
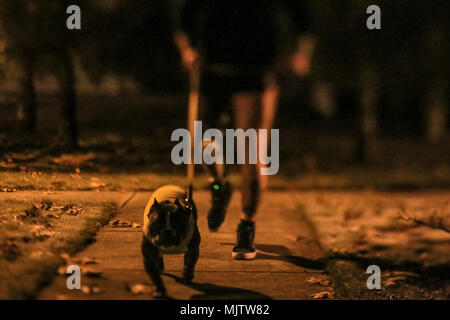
<point>287,257</point>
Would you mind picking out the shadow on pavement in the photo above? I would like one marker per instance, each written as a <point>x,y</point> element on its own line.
<point>278,252</point>
<point>211,291</point>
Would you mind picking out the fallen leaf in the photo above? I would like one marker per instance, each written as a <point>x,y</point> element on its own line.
<point>401,273</point>
<point>139,288</point>
<point>46,204</point>
<point>91,272</point>
<point>42,234</point>
<point>323,295</point>
<point>424,256</point>
<point>65,256</point>
<point>73,210</point>
<point>62,270</point>
<point>97,183</point>
<point>36,254</point>
<point>394,280</point>
<point>9,250</point>
<point>50,192</point>
<point>118,223</point>
<point>91,289</point>
<point>321,282</point>
<point>88,260</point>
<point>73,159</point>
<point>34,211</point>
<point>294,238</point>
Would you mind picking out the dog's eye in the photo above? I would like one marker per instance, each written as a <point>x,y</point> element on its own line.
<point>153,216</point>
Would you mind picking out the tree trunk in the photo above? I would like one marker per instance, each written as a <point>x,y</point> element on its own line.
<point>367,138</point>
<point>27,105</point>
<point>68,96</point>
<point>437,111</point>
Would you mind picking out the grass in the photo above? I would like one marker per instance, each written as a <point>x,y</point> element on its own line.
<point>350,179</point>
<point>356,230</point>
<point>33,236</point>
<point>125,145</point>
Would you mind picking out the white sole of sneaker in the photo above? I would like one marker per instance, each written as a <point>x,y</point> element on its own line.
<point>243,255</point>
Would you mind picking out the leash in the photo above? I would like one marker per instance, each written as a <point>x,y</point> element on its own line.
<point>194,99</point>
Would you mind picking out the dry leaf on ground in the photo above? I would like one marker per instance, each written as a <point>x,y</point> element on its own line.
<point>34,211</point>
<point>73,159</point>
<point>91,272</point>
<point>393,281</point>
<point>140,288</point>
<point>62,270</point>
<point>323,295</point>
<point>319,281</point>
<point>91,289</point>
<point>118,223</point>
<point>73,210</point>
<point>41,233</point>
<point>9,250</point>
<point>97,183</point>
<point>88,260</point>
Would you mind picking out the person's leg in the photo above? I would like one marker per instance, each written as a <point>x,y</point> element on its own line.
<point>213,108</point>
<point>246,108</point>
<point>269,109</point>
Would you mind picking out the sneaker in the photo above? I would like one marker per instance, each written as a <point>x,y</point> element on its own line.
<point>244,249</point>
<point>221,195</point>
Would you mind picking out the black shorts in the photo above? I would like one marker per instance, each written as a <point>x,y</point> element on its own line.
<point>217,88</point>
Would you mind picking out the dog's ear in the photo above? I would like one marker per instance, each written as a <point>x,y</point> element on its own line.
<point>154,206</point>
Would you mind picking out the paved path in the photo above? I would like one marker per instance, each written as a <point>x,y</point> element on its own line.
<point>287,257</point>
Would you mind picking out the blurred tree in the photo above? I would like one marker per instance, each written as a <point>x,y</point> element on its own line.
<point>17,18</point>
<point>37,39</point>
<point>406,61</point>
<point>350,55</point>
<point>131,39</point>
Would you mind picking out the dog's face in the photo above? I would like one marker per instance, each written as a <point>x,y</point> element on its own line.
<point>168,223</point>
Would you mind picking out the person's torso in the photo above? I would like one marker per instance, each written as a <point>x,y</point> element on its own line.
<point>240,32</point>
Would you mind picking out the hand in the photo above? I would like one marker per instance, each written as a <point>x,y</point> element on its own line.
<point>190,58</point>
<point>301,59</point>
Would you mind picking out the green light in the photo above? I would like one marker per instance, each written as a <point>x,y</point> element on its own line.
<point>216,187</point>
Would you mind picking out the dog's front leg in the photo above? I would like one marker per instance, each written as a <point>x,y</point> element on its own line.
<point>152,263</point>
<point>191,257</point>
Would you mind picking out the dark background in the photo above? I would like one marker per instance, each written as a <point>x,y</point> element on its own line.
<point>117,87</point>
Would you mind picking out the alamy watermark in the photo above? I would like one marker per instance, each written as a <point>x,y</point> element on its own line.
<point>73,22</point>
<point>374,20</point>
<point>74,278</point>
<point>213,152</point>
<point>374,281</point>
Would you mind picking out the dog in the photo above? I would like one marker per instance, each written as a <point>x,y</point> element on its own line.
<point>170,227</point>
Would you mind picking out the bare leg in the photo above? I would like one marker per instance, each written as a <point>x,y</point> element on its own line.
<point>216,171</point>
<point>246,108</point>
<point>268,112</point>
